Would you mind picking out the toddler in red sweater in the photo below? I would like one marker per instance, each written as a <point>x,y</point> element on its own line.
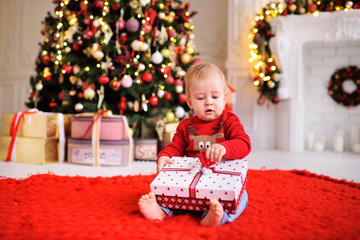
<point>217,132</point>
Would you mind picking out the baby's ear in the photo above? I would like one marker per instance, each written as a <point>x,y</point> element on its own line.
<point>188,102</point>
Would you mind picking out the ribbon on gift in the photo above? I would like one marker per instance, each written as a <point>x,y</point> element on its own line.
<point>95,135</point>
<point>14,127</point>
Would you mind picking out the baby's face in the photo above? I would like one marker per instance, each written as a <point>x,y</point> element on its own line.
<point>207,97</point>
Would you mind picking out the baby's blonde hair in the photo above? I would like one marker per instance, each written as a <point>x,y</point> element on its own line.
<point>201,71</point>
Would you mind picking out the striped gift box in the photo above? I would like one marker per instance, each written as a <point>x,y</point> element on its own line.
<point>111,128</point>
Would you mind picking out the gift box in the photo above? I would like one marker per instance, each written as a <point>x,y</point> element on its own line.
<point>166,131</point>
<point>31,150</point>
<point>145,149</point>
<point>187,185</point>
<point>37,125</point>
<point>111,153</point>
<point>111,128</point>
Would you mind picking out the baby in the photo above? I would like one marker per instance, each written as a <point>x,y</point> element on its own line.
<point>214,130</point>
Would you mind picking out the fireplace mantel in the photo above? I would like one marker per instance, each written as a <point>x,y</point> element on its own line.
<point>291,34</point>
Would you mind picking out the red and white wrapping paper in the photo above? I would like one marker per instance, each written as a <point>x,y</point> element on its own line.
<point>187,185</point>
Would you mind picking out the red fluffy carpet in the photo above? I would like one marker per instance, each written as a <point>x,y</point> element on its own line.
<point>282,205</point>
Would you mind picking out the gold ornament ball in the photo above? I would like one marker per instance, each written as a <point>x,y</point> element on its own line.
<point>185,58</point>
<point>170,117</point>
<point>89,94</point>
<point>72,92</point>
<point>165,52</point>
<point>292,7</point>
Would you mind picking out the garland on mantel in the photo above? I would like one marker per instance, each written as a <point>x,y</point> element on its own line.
<point>336,89</point>
<point>266,74</point>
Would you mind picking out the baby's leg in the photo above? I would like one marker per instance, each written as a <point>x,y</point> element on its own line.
<point>149,207</point>
<point>214,215</point>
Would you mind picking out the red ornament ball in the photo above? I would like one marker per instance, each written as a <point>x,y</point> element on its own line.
<point>120,24</point>
<point>153,100</point>
<point>147,77</point>
<point>52,104</point>
<point>115,84</point>
<point>170,80</point>
<point>103,79</point>
<point>45,59</point>
<point>182,98</point>
<point>167,96</point>
<point>75,47</point>
<point>275,99</point>
<point>261,101</point>
<point>115,6</point>
<point>47,77</point>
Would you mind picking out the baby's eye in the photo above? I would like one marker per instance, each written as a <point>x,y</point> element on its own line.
<point>215,97</point>
<point>200,98</point>
<point>201,145</point>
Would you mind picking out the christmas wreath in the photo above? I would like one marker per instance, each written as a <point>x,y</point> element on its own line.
<point>341,94</point>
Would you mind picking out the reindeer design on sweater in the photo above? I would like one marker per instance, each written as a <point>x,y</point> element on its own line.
<point>203,142</point>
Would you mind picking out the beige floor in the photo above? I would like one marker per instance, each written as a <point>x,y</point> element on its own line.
<point>336,165</point>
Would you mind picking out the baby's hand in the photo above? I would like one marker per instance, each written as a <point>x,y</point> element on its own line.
<point>162,161</point>
<point>215,152</point>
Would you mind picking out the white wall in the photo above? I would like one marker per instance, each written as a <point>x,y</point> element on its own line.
<point>20,26</point>
<point>323,115</point>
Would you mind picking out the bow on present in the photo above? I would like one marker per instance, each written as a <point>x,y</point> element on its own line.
<point>206,165</point>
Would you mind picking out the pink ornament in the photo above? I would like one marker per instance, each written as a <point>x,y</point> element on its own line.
<point>67,68</point>
<point>132,25</point>
<point>126,81</point>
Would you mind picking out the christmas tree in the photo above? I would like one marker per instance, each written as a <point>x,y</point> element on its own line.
<point>127,56</point>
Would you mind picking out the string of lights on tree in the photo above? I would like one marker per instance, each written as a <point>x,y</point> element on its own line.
<point>266,74</point>
<point>127,56</point>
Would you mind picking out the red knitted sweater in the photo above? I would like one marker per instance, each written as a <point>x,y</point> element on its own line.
<point>194,134</point>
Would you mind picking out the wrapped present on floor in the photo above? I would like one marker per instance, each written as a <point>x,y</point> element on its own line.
<point>189,185</point>
<point>100,139</point>
<point>111,152</point>
<point>165,133</point>
<point>111,128</point>
<point>46,131</point>
<point>145,149</point>
<point>30,150</point>
<point>37,125</point>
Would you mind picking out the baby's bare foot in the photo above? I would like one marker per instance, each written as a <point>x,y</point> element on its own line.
<point>214,215</point>
<point>149,207</point>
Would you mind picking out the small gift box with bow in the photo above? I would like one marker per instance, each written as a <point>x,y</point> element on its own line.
<point>190,183</point>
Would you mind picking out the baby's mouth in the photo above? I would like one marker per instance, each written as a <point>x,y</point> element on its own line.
<point>208,110</point>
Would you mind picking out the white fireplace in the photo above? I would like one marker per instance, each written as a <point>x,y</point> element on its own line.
<point>293,36</point>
